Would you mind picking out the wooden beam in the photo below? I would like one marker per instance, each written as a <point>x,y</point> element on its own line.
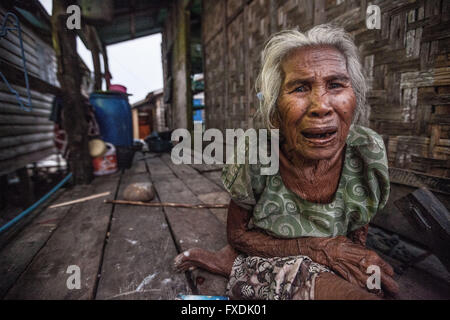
<point>132,26</point>
<point>91,38</point>
<point>418,179</point>
<point>26,187</point>
<point>168,204</point>
<point>148,10</point>
<point>106,66</point>
<point>430,218</point>
<point>69,76</point>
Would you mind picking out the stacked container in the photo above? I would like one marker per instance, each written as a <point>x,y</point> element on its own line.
<point>113,114</point>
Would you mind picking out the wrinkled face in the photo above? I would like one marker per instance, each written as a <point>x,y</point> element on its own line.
<point>316,102</point>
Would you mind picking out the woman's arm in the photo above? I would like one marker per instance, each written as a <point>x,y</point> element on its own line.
<point>340,254</point>
<point>257,243</point>
<point>359,236</point>
<point>253,242</point>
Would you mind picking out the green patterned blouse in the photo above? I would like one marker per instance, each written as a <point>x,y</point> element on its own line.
<point>363,190</point>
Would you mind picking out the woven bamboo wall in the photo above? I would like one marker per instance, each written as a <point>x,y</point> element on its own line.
<point>407,64</point>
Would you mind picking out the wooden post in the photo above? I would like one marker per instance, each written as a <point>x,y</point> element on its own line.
<point>69,76</point>
<point>181,103</point>
<point>26,187</point>
<point>106,66</point>
<point>3,194</point>
<point>95,50</point>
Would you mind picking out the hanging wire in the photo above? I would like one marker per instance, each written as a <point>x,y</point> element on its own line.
<point>3,33</point>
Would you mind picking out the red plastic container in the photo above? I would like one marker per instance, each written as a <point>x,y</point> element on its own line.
<point>107,164</point>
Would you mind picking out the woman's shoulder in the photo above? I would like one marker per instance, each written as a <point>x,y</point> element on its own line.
<point>366,172</point>
<point>240,164</point>
<point>362,136</point>
<point>367,145</point>
<point>242,178</point>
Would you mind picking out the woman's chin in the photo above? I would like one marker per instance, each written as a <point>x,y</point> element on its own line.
<point>317,152</point>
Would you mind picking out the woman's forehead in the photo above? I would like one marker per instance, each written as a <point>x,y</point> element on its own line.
<point>311,61</point>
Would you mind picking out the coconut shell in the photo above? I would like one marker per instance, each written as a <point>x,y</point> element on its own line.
<point>141,191</point>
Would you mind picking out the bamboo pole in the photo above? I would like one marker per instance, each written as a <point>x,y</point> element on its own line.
<point>95,196</point>
<point>169,204</point>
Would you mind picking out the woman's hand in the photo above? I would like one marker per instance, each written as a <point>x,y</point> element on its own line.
<point>350,260</point>
<point>359,236</point>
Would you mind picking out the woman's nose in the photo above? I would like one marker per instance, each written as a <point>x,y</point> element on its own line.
<point>320,107</point>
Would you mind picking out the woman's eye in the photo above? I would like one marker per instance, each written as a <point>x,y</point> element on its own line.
<point>335,85</point>
<point>300,89</point>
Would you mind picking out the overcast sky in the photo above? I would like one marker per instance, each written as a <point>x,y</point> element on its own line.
<point>135,64</point>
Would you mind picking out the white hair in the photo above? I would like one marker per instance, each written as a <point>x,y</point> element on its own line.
<point>279,45</point>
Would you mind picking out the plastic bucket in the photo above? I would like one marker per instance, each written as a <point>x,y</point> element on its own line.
<point>106,164</point>
<point>118,88</point>
<point>125,157</point>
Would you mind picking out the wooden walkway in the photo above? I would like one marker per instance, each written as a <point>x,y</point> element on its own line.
<point>126,252</point>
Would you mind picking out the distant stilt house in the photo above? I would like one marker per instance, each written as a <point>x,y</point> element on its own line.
<point>149,115</point>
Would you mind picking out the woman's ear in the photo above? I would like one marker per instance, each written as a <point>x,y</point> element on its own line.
<point>275,119</point>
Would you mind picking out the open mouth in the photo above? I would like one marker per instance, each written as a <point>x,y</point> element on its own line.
<point>320,135</point>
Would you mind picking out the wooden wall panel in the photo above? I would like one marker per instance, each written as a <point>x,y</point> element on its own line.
<point>213,19</point>
<point>407,66</point>
<point>257,21</point>
<point>295,13</point>
<point>233,7</point>
<point>236,92</point>
<point>215,81</point>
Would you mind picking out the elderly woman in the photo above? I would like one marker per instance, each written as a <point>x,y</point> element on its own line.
<point>300,233</point>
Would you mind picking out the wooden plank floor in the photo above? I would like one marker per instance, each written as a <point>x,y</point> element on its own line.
<point>126,252</point>
<point>31,240</point>
<point>139,251</point>
<point>190,227</point>
<point>78,240</point>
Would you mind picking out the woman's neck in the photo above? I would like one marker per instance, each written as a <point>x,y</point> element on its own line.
<point>312,180</point>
